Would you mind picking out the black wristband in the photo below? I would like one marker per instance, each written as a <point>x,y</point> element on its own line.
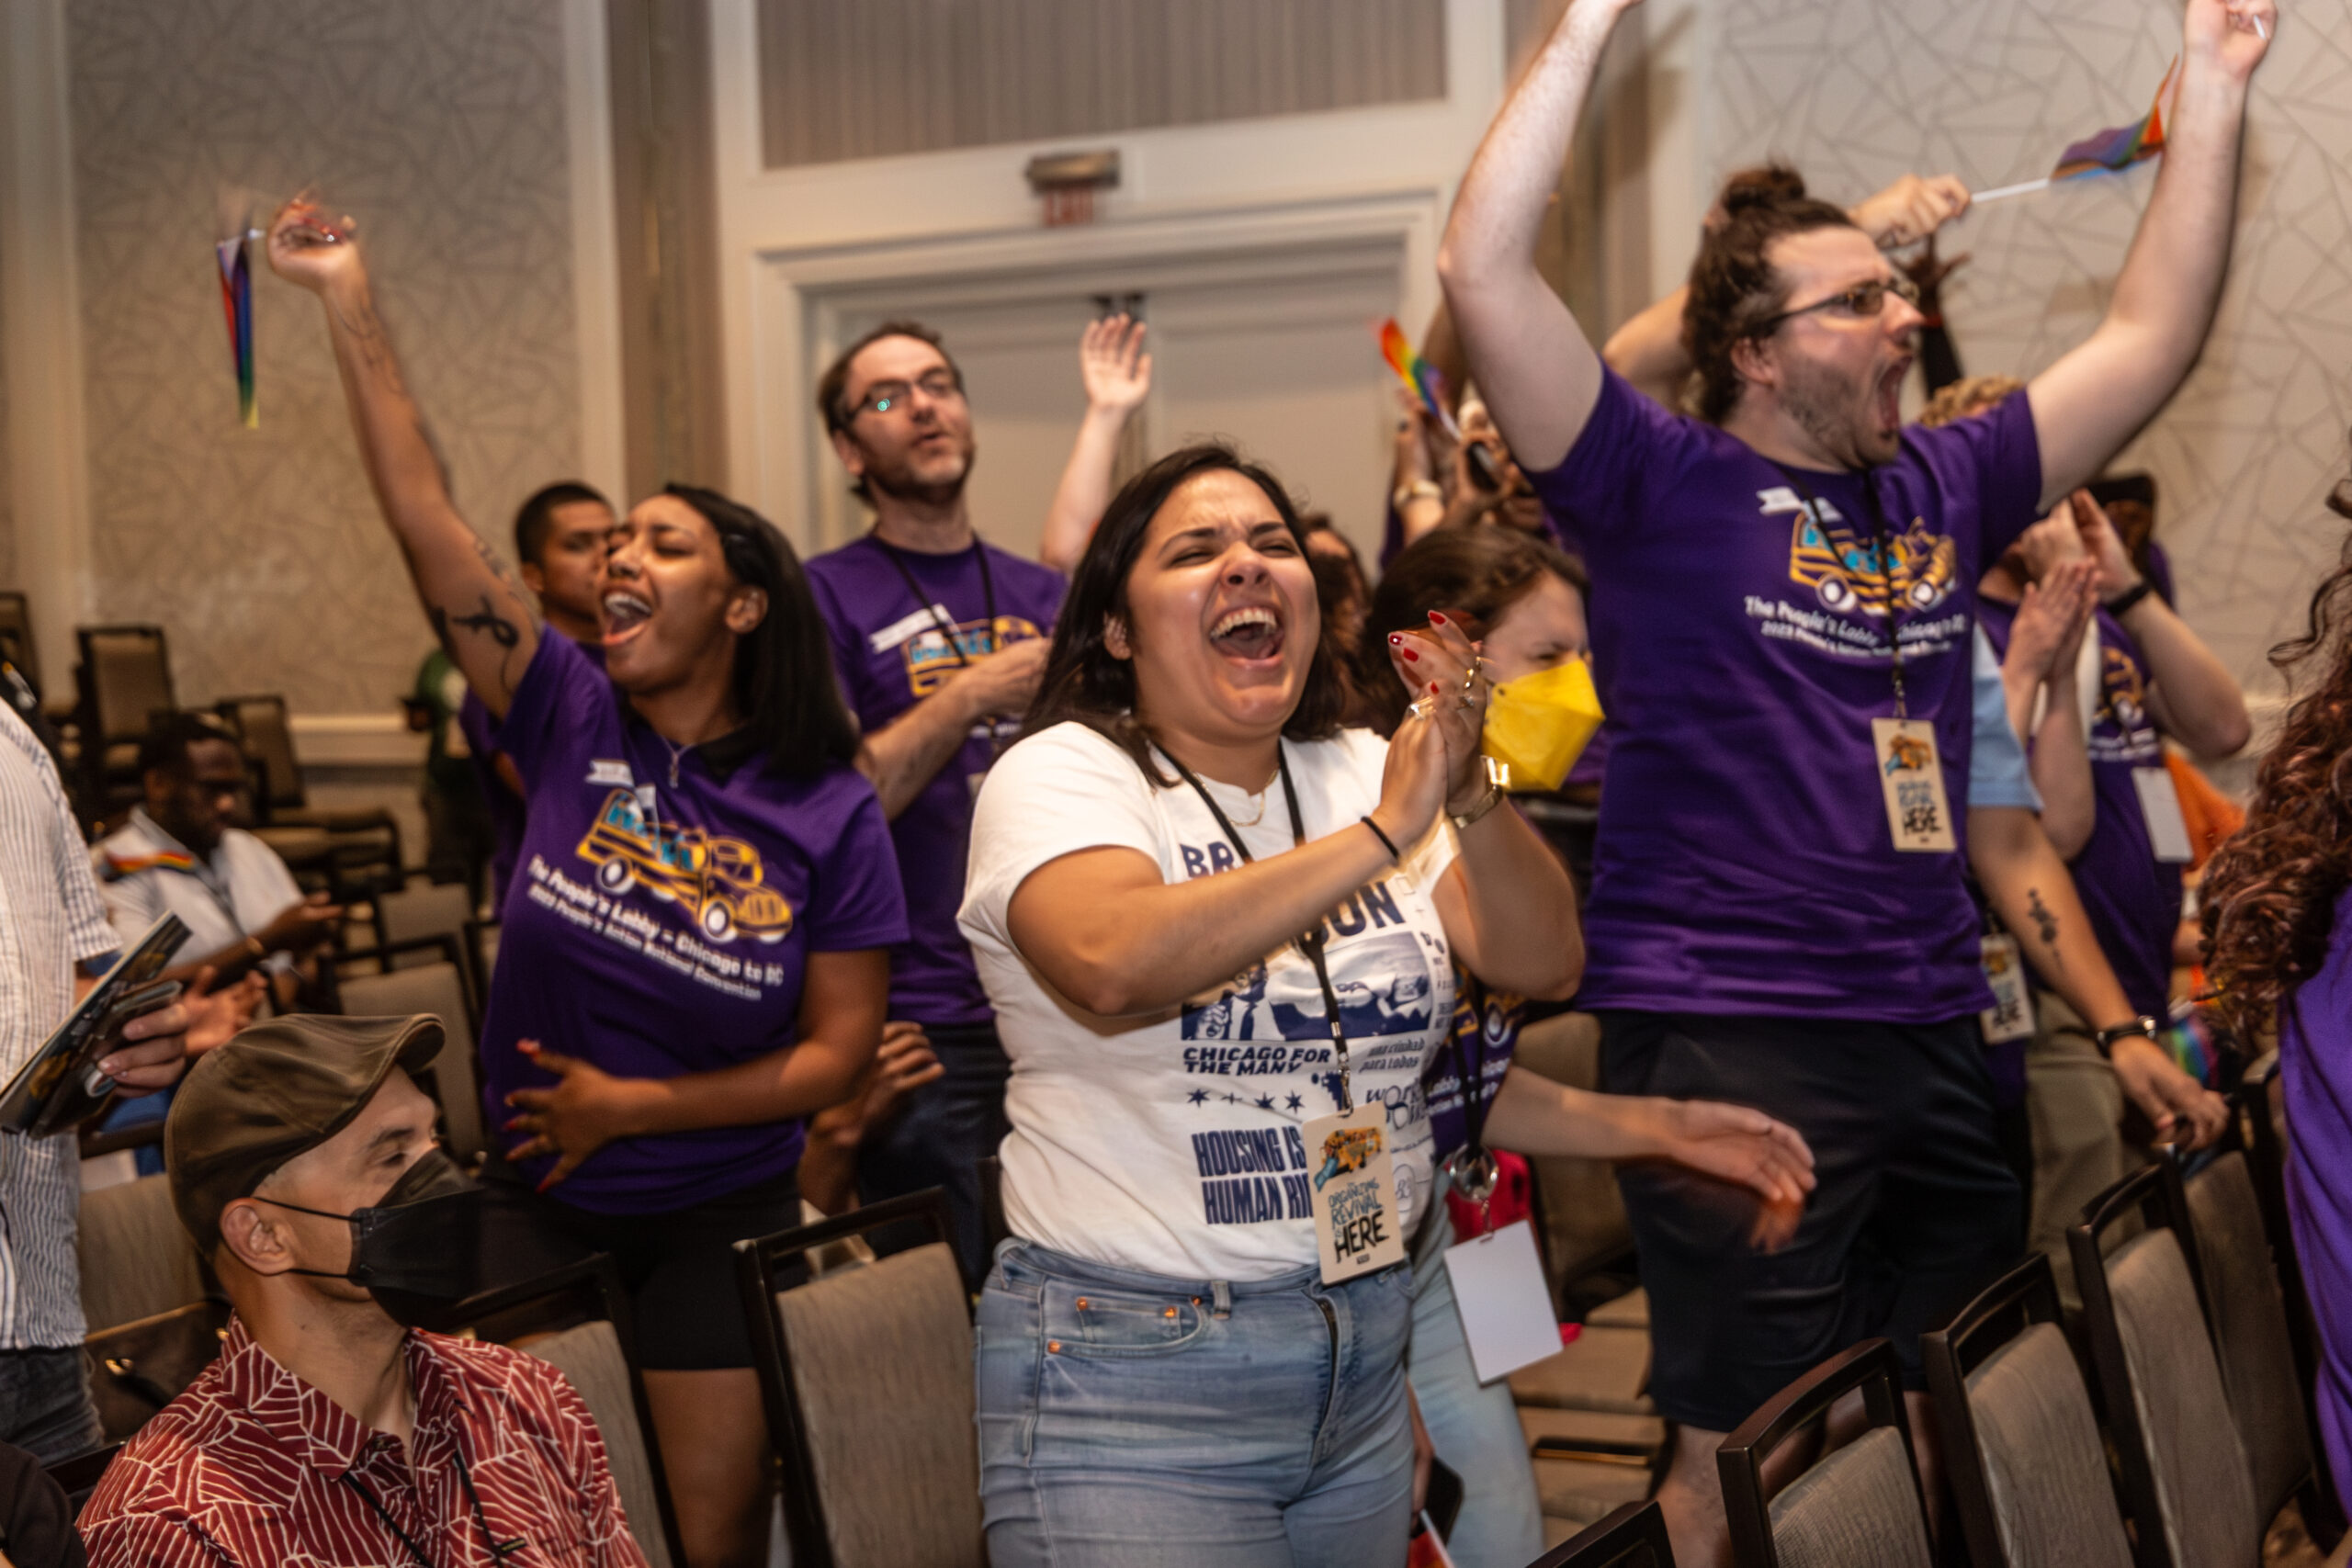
<point>2123,602</point>
<point>1386,841</point>
<point>2105,1039</point>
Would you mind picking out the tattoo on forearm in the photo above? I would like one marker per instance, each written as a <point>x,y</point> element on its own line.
<point>2045,924</point>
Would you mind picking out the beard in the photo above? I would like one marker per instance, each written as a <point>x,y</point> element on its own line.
<point>897,478</point>
<point>1821,400</point>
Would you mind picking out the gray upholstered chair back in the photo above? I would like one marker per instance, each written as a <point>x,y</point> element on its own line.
<point>136,1261</point>
<point>2203,1487</point>
<point>437,988</point>
<point>589,1355</point>
<point>2045,1467</point>
<point>129,677</point>
<point>2250,1329</point>
<point>881,1373</point>
<point>1858,1508</point>
<point>435,909</point>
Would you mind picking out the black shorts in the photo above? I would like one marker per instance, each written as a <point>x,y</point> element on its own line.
<point>1916,1208</point>
<point>679,1269</point>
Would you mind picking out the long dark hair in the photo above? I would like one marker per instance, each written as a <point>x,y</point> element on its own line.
<point>1084,682</point>
<point>2270,895</point>
<point>1480,572</point>
<point>1734,285</point>
<point>784,684</point>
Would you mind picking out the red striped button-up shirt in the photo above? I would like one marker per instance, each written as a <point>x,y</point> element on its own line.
<point>248,1467</point>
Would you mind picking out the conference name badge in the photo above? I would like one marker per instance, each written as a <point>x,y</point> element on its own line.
<point>1913,779</point>
<point>2011,1015</point>
<point>1354,1193</point>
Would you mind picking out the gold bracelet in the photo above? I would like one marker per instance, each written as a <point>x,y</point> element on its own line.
<point>1463,819</point>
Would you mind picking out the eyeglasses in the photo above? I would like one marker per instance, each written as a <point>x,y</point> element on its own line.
<point>939,386</point>
<point>1863,303</point>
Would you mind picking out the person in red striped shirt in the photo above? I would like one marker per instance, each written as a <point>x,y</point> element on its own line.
<point>326,1433</point>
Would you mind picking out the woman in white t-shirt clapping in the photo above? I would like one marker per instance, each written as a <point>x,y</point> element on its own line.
<point>1174,1366</point>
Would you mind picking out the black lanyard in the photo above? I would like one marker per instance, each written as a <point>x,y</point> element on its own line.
<point>924,601</point>
<point>498,1549</point>
<point>1882,542</point>
<point>1312,942</point>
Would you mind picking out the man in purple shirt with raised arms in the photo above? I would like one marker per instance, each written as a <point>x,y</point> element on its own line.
<point>939,638</point>
<point>1781,620</point>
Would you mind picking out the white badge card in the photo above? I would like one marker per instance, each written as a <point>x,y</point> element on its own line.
<point>1913,779</point>
<point>2160,807</point>
<point>1354,1193</point>
<point>1506,1307</point>
<point>2011,1015</point>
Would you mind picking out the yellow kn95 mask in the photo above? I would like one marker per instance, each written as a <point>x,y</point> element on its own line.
<point>1537,725</point>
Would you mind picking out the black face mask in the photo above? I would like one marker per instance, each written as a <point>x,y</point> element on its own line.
<point>419,1239</point>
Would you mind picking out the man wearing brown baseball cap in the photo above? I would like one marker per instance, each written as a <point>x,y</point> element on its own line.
<point>302,1160</point>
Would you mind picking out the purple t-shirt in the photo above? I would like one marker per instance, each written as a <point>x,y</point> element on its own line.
<point>660,928</point>
<point>2315,1060</point>
<point>1743,862</point>
<point>1485,1034</point>
<point>2132,898</point>
<point>506,814</point>
<point>891,654</point>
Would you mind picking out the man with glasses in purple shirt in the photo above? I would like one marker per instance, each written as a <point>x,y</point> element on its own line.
<point>939,638</point>
<point>1784,591</point>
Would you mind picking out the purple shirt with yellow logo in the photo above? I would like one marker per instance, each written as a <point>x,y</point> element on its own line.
<point>892,652</point>
<point>662,918</point>
<point>1744,861</point>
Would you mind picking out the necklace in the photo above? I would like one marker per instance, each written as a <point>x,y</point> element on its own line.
<point>1260,798</point>
<point>677,755</point>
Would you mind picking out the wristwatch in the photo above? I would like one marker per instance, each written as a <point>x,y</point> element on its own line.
<point>2123,602</point>
<point>2105,1039</point>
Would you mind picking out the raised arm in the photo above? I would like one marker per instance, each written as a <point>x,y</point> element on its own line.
<point>480,613</point>
<point>1529,356</point>
<point>2191,693</point>
<point>1117,374</point>
<point>2096,398</point>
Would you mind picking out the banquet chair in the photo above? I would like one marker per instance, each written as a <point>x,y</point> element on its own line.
<point>1859,1506</point>
<point>2021,1446</point>
<point>2185,1484</point>
<point>438,987</point>
<point>1631,1537</point>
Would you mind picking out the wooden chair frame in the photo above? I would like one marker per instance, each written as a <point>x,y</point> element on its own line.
<point>1870,1367</point>
<point>760,1263</point>
<point>1631,1535</point>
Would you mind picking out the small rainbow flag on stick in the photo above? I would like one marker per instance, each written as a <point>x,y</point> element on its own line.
<point>2107,152</point>
<point>1420,377</point>
<point>237,304</point>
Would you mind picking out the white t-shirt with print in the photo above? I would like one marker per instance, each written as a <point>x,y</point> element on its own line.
<point>1170,1143</point>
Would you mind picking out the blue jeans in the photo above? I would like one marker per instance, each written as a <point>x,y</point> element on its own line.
<point>938,1138</point>
<point>1131,1421</point>
<point>45,1406</point>
<point>1474,1429</point>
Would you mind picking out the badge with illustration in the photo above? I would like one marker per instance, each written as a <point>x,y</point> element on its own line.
<point>1354,1186</point>
<point>717,880</point>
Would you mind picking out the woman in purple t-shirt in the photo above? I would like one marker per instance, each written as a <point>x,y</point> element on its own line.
<point>2278,913</point>
<point>694,947</point>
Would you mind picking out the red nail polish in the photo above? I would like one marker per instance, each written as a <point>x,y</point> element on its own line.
<point>1396,639</point>
<point>1411,658</point>
<point>1436,618</point>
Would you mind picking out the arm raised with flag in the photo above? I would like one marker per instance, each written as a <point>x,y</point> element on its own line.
<point>2098,396</point>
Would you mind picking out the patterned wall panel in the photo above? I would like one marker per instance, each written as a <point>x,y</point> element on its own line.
<point>441,124</point>
<point>1857,91</point>
<point>862,78</point>
<point>7,495</point>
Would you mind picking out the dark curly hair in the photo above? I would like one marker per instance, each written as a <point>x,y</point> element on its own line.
<point>1476,572</point>
<point>1734,286</point>
<point>1083,681</point>
<point>2269,894</point>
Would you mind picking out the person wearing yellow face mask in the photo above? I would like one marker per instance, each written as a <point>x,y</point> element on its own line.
<point>1522,600</point>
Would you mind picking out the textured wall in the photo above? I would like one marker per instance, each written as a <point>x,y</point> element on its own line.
<point>440,123</point>
<point>7,495</point>
<point>862,78</point>
<point>1857,91</point>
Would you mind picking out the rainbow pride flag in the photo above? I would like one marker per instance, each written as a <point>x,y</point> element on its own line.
<point>2122,146</point>
<point>1420,377</point>
<point>237,303</point>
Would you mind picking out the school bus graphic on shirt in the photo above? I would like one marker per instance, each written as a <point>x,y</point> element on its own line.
<point>1843,569</point>
<point>930,659</point>
<point>718,881</point>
